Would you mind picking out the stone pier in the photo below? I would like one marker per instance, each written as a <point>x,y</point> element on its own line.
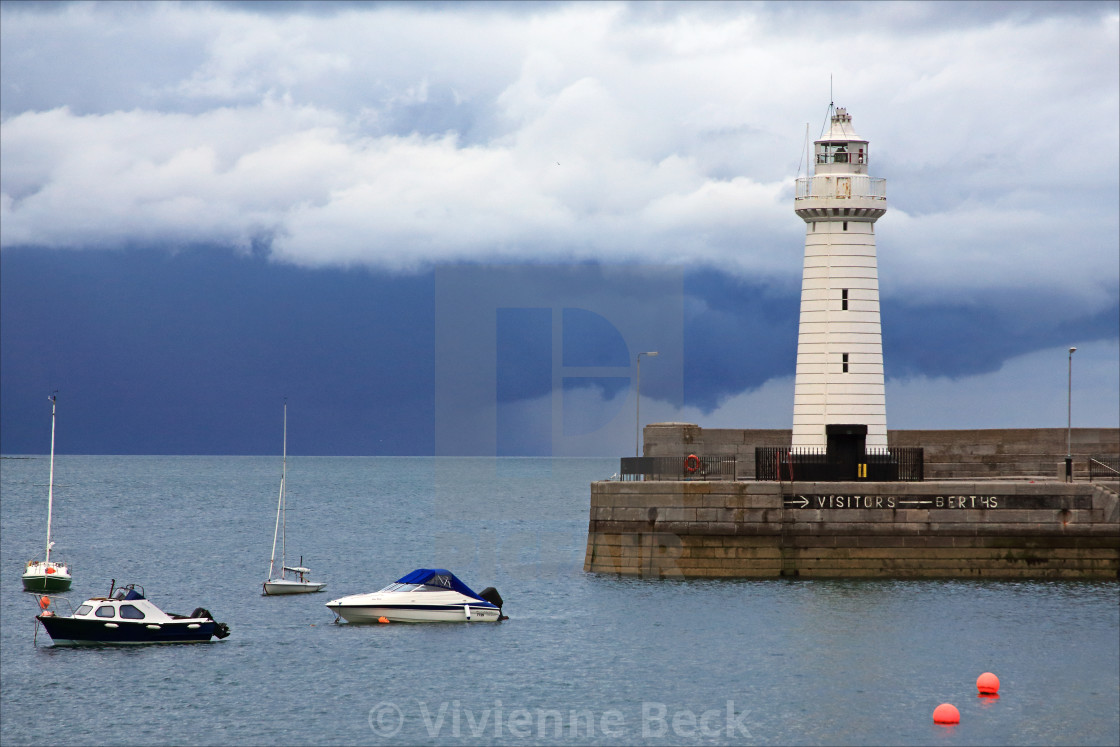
<point>955,528</point>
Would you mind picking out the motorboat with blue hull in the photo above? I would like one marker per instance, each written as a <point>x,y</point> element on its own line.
<point>425,595</point>
<point>127,617</point>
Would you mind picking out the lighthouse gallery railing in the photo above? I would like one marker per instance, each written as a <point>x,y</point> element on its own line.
<point>839,186</point>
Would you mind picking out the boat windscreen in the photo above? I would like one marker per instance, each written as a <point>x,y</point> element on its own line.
<point>399,588</point>
<point>439,578</point>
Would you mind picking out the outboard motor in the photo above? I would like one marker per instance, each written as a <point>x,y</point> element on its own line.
<point>221,630</point>
<point>491,595</point>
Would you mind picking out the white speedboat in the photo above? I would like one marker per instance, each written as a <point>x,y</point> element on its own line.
<point>127,617</point>
<point>425,595</point>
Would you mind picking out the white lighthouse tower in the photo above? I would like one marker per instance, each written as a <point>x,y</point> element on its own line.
<point>839,343</point>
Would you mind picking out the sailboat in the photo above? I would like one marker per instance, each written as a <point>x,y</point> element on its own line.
<point>47,574</point>
<point>299,584</point>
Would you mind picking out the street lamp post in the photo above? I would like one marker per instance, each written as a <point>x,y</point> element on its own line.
<point>638,404</point>
<point>1069,420</point>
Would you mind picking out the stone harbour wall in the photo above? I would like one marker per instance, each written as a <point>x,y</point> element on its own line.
<point>960,529</point>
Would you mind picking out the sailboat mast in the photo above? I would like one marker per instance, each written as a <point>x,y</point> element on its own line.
<point>50,488</point>
<point>284,498</point>
<point>275,532</point>
<point>280,499</point>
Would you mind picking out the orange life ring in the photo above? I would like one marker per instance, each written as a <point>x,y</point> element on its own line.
<point>691,463</point>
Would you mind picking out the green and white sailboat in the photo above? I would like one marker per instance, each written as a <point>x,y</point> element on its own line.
<point>47,574</point>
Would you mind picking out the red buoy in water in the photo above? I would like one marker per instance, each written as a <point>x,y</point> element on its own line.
<point>383,619</point>
<point>946,713</point>
<point>44,602</point>
<point>988,684</point>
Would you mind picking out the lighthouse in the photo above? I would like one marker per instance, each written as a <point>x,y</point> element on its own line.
<point>839,392</point>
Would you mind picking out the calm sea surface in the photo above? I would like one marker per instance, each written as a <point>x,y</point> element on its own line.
<point>582,659</point>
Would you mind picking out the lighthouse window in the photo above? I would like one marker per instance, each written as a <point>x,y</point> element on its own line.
<point>844,300</point>
<point>844,362</point>
<point>845,225</point>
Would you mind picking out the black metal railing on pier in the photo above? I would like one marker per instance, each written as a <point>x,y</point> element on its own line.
<point>905,464</point>
<point>690,467</point>
<point>1106,467</point>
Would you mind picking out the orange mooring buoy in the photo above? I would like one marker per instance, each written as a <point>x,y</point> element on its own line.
<point>44,602</point>
<point>946,713</point>
<point>988,685</point>
<point>382,619</point>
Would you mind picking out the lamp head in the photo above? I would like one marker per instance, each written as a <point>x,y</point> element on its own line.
<point>1071,350</point>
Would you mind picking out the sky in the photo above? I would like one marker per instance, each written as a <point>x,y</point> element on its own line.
<point>450,228</point>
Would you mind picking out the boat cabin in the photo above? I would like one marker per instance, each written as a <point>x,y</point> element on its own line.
<point>121,607</point>
<point>128,603</point>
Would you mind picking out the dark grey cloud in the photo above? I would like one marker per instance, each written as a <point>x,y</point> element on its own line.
<point>191,353</point>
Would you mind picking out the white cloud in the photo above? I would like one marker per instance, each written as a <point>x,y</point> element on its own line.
<point>972,247</point>
<point>396,135</point>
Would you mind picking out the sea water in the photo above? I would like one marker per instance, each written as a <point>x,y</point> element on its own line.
<point>583,659</point>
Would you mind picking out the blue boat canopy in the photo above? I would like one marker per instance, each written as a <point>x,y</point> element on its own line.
<point>440,577</point>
